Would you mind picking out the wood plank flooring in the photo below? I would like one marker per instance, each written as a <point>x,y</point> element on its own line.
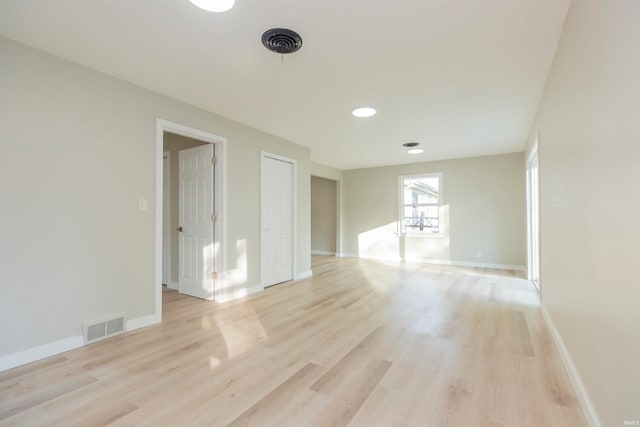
<point>362,343</point>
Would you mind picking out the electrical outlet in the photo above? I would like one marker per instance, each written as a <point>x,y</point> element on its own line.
<point>478,254</point>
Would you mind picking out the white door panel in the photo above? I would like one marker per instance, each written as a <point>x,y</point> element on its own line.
<point>277,221</point>
<point>195,218</point>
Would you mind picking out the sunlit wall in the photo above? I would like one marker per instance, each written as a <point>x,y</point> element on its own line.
<point>482,212</point>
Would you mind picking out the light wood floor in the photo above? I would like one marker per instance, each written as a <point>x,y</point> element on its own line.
<point>362,343</point>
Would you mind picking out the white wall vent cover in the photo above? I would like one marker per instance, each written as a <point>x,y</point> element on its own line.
<point>101,329</point>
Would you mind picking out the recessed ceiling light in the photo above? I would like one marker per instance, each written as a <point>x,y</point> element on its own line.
<point>415,151</point>
<point>214,5</point>
<point>364,112</point>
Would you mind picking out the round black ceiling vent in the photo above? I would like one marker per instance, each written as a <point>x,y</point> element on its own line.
<point>410,144</point>
<point>281,40</point>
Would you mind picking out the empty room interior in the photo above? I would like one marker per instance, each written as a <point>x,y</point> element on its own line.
<point>319,213</point>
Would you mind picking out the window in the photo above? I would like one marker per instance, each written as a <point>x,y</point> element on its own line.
<point>420,197</point>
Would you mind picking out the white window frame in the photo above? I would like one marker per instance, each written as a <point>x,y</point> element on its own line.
<point>403,233</point>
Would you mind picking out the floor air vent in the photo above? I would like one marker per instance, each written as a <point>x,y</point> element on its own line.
<point>105,328</point>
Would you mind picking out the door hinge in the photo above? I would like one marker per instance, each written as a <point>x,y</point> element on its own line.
<point>214,275</point>
<point>214,160</point>
<point>214,217</point>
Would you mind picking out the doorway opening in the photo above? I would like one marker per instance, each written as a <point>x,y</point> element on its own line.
<point>533,216</point>
<point>190,212</point>
<point>324,216</point>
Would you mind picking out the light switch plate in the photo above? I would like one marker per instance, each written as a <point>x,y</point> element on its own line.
<point>143,205</point>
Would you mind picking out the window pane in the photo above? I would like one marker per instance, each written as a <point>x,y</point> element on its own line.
<point>421,218</point>
<point>421,190</point>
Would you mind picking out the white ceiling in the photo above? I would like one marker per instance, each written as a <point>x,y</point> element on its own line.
<point>463,78</point>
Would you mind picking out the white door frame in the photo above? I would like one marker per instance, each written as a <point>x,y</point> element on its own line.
<point>294,201</point>
<point>166,214</point>
<point>220,204</point>
<point>531,157</point>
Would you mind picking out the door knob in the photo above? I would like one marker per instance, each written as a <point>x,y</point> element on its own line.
<point>179,229</point>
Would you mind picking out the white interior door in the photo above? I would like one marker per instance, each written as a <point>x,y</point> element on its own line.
<point>195,246</point>
<point>277,220</point>
<point>166,203</point>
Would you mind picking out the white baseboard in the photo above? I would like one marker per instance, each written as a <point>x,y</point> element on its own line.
<point>303,275</point>
<point>471,264</point>
<point>141,322</point>
<point>172,285</point>
<point>585,402</point>
<point>436,261</point>
<point>315,252</point>
<point>37,353</point>
<point>243,292</point>
<point>375,257</point>
<point>224,297</point>
<point>51,349</point>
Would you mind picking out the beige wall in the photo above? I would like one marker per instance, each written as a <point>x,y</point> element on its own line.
<point>483,210</point>
<point>77,152</point>
<point>173,144</point>
<point>589,156</point>
<point>323,215</point>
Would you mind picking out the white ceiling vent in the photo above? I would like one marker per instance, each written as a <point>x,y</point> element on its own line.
<point>100,329</point>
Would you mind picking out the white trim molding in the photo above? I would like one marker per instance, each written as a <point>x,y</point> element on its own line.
<point>167,220</point>
<point>578,385</point>
<point>401,205</point>
<point>314,252</point>
<point>141,322</point>
<point>239,293</point>
<point>303,275</point>
<point>57,347</point>
<point>37,353</point>
<point>533,258</point>
<point>220,204</point>
<point>471,264</point>
<point>437,261</point>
